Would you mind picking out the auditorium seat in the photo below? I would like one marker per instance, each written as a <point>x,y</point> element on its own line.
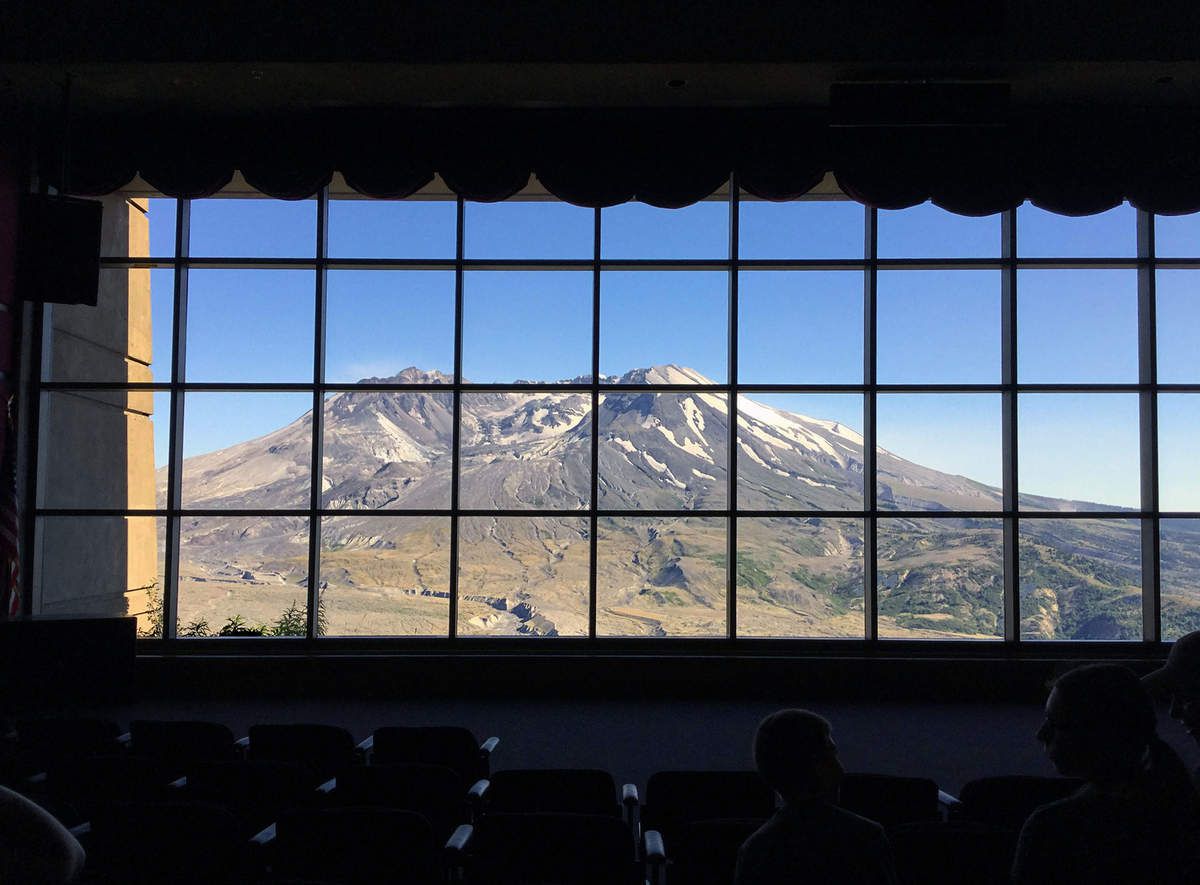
<point>181,743</point>
<point>889,799</point>
<point>951,853</point>
<point>76,789</point>
<point>354,846</point>
<point>42,742</point>
<point>1007,800</point>
<point>677,798</point>
<point>256,791</point>
<point>326,749</point>
<point>151,843</point>
<point>544,847</point>
<point>702,852</point>
<point>433,791</point>
<point>451,746</point>
<point>568,790</point>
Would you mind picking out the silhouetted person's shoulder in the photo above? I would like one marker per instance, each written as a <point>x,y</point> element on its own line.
<point>816,842</point>
<point>35,849</point>
<point>1096,838</point>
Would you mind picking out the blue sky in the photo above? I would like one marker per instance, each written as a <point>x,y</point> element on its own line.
<point>934,326</point>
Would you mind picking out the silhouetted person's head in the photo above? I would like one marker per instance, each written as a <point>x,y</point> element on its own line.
<point>1179,679</point>
<point>1099,723</point>
<point>795,754</point>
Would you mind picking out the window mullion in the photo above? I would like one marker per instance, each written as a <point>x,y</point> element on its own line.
<point>1010,556</point>
<point>1148,426</point>
<point>318,418</point>
<point>870,348</point>
<point>183,225</point>
<point>456,430</point>
<point>593,521</point>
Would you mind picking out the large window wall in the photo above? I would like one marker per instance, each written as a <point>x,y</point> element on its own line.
<point>737,420</point>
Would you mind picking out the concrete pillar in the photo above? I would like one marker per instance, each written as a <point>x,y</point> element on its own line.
<point>97,447</point>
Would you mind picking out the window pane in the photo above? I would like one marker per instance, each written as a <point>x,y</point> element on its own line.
<point>160,214</point>
<point>533,326</point>
<point>392,228</point>
<point>1079,451</point>
<point>800,451</point>
<point>384,576</point>
<point>941,578</point>
<point>522,576</point>
<point>939,451</point>
<point>1177,236</point>
<point>1077,326</point>
<point>525,451</point>
<point>387,450</point>
<point>126,337</point>
<point>662,577</point>
<point>102,566</point>
<point>1081,579</point>
<point>927,231</point>
<point>528,229</point>
<point>273,338</point>
<point>224,228</point>
<point>635,230</point>
<point>938,327</point>
<point>247,450</point>
<point>635,309</point>
<point>1177,311</point>
<point>800,327</point>
<point>161,421</point>
<point>800,229</point>
<point>1042,234</point>
<point>1178,469</point>
<point>1179,555</point>
<point>800,577</point>
<point>381,322</point>
<point>664,451</point>
<point>240,572</point>
<point>97,449</point>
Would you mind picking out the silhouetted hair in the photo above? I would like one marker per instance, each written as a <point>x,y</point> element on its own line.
<point>787,748</point>
<point>1109,702</point>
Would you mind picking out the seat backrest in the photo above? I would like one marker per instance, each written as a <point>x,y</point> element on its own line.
<point>156,842</point>
<point>1007,800</point>
<point>674,798</point>
<point>890,799</point>
<point>580,849</point>
<point>255,791</point>
<point>356,845</point>
<point>183,742</point>
<point>326,749</point>
<point>570,790</point>
<point>953,853</point>
<point>433,791</point>
<point>41,742</point>
<point>81,787</point>
<point>705,852</point>
<point>450,746</point>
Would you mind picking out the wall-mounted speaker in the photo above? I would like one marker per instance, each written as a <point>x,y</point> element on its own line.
<point>58,249</point>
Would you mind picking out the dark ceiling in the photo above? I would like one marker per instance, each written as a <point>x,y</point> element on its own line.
<point>253,56</point>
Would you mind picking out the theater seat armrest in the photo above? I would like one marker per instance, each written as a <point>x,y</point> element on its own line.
<point>242,747</point>
<point>456,845</point>
<point>36,780</point>
<point>629,795</point>
<point>488,747</point>
<point>328,787</point>
<point>125,740</point>
<point>656,852</point>
<point>265,837</point>
<point>365,748</point>
<point>478,791</point>
<point>81,831</point>
<point>947,801</point>
<point>179,783</point>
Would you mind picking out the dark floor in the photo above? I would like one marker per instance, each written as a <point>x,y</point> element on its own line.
<point>951,743</point>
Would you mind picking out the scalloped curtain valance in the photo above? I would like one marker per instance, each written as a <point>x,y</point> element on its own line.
<point>1069,162</point>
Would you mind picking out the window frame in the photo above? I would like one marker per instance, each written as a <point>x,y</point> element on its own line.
<point>1008,263</point>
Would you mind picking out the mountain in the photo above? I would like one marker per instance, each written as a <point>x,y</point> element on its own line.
<point>656,575</point>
